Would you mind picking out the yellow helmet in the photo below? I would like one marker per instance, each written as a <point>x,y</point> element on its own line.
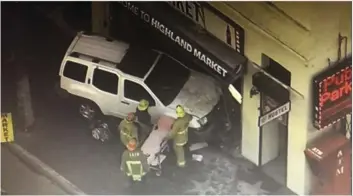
<point>180,111</point>
<point>143,105</point>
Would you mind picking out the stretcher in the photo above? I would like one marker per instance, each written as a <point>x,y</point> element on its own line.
<point>155,145</point>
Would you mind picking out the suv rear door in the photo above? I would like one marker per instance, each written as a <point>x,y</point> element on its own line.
<point>106,91</point>
<point>73,77</point>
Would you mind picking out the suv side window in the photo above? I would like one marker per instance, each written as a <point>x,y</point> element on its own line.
<point>105,81</point>
<point>75,71</point>
<point>136,92</point>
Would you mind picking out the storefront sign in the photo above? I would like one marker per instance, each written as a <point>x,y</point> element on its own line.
<point>191,9</point>
<point>213,21</point>
<point>6,128</point>
<point>177,39</point>
<point>281,110</point>
<point>269,104</point>
<point>332,94</point>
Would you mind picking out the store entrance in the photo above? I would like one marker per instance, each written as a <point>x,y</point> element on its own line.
<point>274,151</point>
<point>274,134</point>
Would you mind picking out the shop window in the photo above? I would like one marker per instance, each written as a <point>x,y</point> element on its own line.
<point>75,71</point>
<point>106,81</point>
<point>136,92</point>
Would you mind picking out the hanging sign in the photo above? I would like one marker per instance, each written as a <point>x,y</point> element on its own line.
<point>177,39</point>
<point>270,104</point>
<point>268,117</point>
<point>332,94</point>
<point>213,21</point>
<point>6,128</point>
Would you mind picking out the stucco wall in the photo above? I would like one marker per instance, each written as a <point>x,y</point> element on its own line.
<point>300,36</point>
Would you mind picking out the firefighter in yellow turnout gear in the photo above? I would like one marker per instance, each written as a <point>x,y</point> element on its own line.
<point>134,162</point>
<point>128,129</point>
<point>142,112</point>
<point>179,134</point>
<point>143,119</point>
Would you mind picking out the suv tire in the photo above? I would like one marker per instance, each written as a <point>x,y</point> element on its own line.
<point>89,110</point>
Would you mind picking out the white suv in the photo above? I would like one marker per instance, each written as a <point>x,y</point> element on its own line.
<point>111,77</point>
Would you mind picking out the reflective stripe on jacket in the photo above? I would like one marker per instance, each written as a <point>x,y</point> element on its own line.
<point>134,163</point>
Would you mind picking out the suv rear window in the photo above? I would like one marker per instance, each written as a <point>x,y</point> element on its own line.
<point>106,81</point>
<point>75,71</point>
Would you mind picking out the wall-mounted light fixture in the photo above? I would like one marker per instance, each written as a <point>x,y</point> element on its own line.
<point>253,91</point>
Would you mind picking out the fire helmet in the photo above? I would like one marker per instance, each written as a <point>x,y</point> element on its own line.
<point>143,105</point>
<point>180,111</point>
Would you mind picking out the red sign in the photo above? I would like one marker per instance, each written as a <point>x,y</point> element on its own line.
<point>333,94</point>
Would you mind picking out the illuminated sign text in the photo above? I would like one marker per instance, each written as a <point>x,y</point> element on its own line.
<point>332,94</point>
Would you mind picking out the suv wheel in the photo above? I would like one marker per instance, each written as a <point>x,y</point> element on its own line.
<point>87,111</point>
<point>101,132</point>
<point>203,134</point>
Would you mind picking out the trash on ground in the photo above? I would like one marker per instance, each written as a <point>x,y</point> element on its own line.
<point>198,146</point>
<point>197,157</point>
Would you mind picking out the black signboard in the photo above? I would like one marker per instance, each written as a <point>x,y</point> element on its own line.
<point>332,96</point>
<point>214,56</point>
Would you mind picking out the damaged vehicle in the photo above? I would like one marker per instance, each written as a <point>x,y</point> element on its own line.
<point>109,78</point>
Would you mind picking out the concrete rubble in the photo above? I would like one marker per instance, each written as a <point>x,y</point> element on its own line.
<point>197,157</point>
<point>198,146</point>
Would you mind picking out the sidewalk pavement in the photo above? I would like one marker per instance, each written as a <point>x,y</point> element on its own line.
<point>17,177</point>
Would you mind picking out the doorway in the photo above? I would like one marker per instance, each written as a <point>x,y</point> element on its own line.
<point>274,134</point>
<point>274,151</point>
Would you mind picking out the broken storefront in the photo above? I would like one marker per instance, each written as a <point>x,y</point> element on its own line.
<point>221,58</point>
<point>270,117</point>
<point>204,49</point>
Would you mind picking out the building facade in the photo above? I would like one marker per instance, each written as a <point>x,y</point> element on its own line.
<point>300,36</point>
<point>290,43</point>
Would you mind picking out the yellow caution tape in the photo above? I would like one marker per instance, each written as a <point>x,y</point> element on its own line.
<point>7,134</point>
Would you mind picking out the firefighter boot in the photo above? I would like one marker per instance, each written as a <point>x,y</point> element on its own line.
<point>180,155</point>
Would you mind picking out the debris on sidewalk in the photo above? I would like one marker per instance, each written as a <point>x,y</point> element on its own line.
<point>197,157</point>
<point>219,178</point>
<point>198,146</point>
<point>245,188</point>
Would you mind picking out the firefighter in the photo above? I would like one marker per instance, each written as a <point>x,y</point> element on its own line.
<point>179,134</point>
<point>128,129</point>
<point>143,118</point>
<point>134,162</point>
<point>142,112</point>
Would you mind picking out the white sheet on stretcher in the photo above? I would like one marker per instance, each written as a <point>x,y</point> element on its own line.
<point>153,144</point>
